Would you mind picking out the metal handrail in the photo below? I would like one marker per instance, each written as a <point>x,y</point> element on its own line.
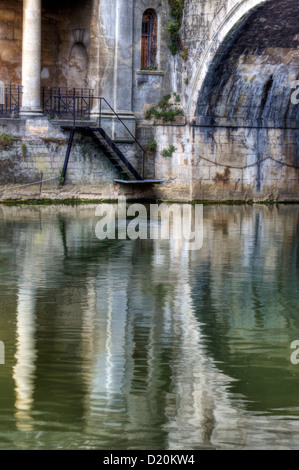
<point>11,100</point>
<point>71,101</point>
<point>67,102</point>
<point>127,129</point>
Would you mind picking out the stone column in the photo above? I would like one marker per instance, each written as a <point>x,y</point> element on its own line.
<point>116,65</point>
<point>31,58</point>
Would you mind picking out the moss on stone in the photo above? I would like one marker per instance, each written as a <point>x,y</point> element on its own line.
<point>6,140</point>
<point>24,150</point>
<point>152,145</point>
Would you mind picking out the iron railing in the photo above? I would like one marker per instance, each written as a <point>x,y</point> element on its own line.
<point>76,104</point>
<point>10,101</point>
<point>67,103</point>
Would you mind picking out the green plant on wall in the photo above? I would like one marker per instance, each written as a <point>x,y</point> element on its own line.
<point>61,179</point>
<point>168,152</point>
<point>6,140</point>
<point>164,110</point>
<point>24,150</point>
<point>177,98</point>
<point>173,26</point>
<point>152,145</point>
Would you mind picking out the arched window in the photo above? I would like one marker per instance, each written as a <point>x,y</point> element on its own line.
<point>149,40</point>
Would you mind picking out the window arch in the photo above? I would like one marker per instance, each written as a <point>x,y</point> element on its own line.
<point>149,43</point>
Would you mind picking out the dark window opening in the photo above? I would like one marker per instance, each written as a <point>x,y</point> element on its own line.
<point>149,40</point>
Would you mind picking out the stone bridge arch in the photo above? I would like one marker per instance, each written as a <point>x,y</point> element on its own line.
<point>251,75</point>
<point>223,23</point>
<point>245,120</point>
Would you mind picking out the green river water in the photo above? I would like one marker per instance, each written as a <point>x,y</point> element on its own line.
<point>121,344</point>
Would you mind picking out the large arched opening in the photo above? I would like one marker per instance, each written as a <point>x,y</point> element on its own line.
<point>221,28</point>
<point>253,71</point>
<point>11,41</point>
<point>66,43</point>
<point>246,108</point>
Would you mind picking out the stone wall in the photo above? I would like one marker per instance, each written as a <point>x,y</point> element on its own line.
<point>207,164</point>
<point>36,151</point>
<point>221,163</point>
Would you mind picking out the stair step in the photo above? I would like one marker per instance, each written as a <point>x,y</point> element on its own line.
<point>113,153</point>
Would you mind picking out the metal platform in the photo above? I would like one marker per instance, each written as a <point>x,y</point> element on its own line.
<point>139,181</point>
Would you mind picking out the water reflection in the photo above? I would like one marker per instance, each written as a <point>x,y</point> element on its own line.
<point>145,344</point>
<point>24,370</point>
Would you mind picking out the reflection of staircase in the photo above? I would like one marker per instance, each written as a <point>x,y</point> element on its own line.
<point>127,173</point>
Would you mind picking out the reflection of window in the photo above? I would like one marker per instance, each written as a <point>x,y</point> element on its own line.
<point>2,93</point>
<point>149,39</point>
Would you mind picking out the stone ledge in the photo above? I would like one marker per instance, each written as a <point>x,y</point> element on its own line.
<point>210,121</point>
<point>179,121</point>
<point>150,72</point>
<point>4,120</point>
<point>69,123</point>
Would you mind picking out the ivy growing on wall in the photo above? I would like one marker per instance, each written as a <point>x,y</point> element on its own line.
<point>173,27</point>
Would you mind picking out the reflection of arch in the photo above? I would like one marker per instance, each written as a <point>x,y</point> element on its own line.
<point>222,27</point>
<point>2,93</point>
<point>149,39</point>
<point>78,65</point>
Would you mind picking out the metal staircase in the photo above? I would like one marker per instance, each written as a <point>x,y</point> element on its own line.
<point>127,173</point>
<point>114,154</point>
